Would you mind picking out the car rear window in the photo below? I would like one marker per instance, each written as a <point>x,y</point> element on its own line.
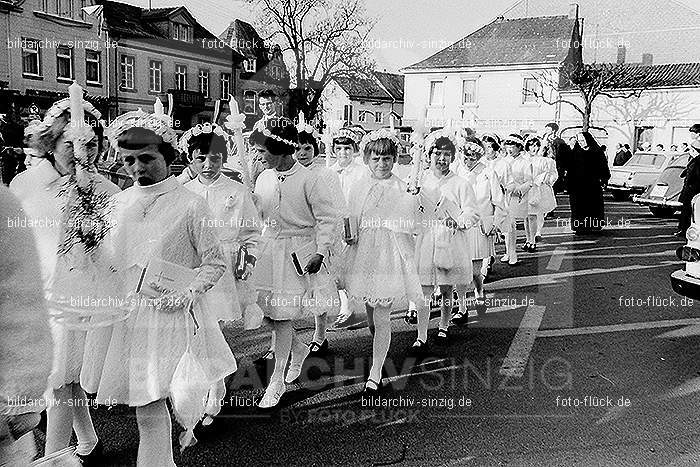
<point>651,160</point>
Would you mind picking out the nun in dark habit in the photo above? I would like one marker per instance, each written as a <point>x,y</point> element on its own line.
<point>588,172</point>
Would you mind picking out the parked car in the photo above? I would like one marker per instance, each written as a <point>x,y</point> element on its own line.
<point>686,281</point>
<point>638,173</point>
<point>662,195</point>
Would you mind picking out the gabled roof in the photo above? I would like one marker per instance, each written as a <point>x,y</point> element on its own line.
<point>362,88</point>
<point>383,86</point>
<point>244,39</point>
<point>540,40</point>
<point>636,76</point>
<point>392,83</point>
<point>668,29</point>
<point>128,21</point>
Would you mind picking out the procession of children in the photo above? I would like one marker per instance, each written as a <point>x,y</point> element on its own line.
<point>312,237</point>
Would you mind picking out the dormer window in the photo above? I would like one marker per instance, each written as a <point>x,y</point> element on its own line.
<point>249,65</point>
<point>182,32</point>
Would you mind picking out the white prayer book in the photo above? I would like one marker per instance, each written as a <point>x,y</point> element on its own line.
<point>350,227</point>
<point>165,275</point>
<point>302,255</point>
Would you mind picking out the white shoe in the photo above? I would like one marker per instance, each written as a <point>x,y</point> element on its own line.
<point>512,262</point>
<point>297,363</point>
<point>504,259</point>
<point>272,395</point>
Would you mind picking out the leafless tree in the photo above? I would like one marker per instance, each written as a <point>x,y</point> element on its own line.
<point>320,39</point>
<point>588,81</point>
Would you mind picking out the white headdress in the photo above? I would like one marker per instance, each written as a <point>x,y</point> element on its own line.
<point>456,139</point>
<point>382,133</point>
<point>199,129</point>
<point>158,123</point>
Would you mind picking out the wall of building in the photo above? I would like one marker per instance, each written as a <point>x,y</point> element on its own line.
<point>498,103</point>
<point>335,99</point>
<point>144,51</point>
<point>52,30</point>
<point>666,115</point>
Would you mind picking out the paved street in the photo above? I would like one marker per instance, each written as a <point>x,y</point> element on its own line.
<point>586,357</point>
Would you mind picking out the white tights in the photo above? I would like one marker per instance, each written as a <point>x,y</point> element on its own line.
<point>155,435</point>
<point>62,417</point>
<point>379,320</point>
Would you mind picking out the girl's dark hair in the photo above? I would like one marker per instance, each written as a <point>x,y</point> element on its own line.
<point>443,143</point>
<point>492,142</point>
<point>208,143</point>
<point>308,138</point>
<point>380,146</point>
<point>164,148</point>
<point>531,142</point>
<point>346,141</point>
<point>278,126</point>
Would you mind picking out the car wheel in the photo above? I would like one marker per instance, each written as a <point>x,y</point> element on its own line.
<point>620,195</point>
<point>661,212</point>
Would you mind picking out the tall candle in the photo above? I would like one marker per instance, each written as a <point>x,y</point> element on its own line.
<point>77,114</point>
<point>158,107</point>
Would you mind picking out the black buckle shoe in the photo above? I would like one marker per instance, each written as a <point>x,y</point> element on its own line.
<point>95,456</point>
<point>318,350</point>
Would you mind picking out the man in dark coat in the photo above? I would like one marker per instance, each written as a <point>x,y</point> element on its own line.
<point>691,182</point>
<point>622,155</point>
<point>556,148</point>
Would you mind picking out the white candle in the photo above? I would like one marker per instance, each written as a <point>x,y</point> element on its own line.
<point>233,105</point>
<point>77,114</point>
<point>158,107</point>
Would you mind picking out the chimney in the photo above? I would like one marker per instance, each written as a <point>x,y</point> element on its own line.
<point>621,54</point>
<point>647,59</point>
<point>573,10</point>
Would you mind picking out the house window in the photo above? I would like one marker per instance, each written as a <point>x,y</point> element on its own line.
<point>182,32</point>
<point>204,82</point>
<point>362,116</point>
<point>436,93</point>
<point>64,8</point>
<point>31,58</point>
<point>531,89</point>
<point>378,117</point>
<point>93,73</point>
<point>180,77</point>
<point>64,63</point>
<point>225,85</point>
<point>83,4</point>
<point>127,69</point>
<point>249,65</point>
<point>249,99</point>
<point>45,6</point>
<point>347,113</point>
<point>469,91</point>
<point>155,76</point>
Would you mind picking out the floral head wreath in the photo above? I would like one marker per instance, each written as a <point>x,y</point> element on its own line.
<point>58,108</point>
<point>157,123</point>
<point>382,133</point>
<point>268,134</point>
<point>199,129</point>
<point>347,133</point>
<point>514,139</point>
<point>457,140</point>
<point>472,147</point>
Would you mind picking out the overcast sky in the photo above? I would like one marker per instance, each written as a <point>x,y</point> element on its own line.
<point>407,32</point>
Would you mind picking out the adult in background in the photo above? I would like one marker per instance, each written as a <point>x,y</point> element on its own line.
<point>557,149</point>
<point>691,182</point>
<point>588,171</point>
<point>267,101</point>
